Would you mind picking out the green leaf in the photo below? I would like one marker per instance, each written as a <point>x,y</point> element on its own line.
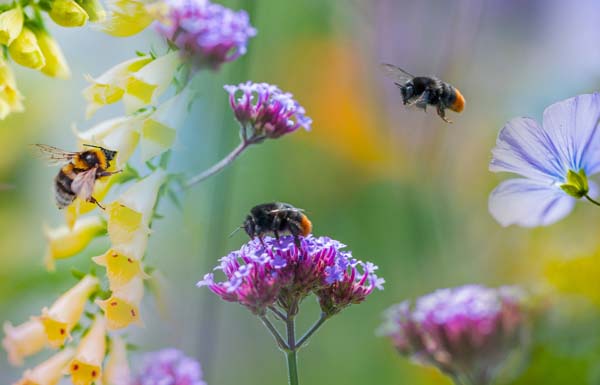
<point>77,273</point>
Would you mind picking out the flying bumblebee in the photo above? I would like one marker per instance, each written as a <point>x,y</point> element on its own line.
<point>421,91</point>
<point>78,176</point>
<point>277,218</point>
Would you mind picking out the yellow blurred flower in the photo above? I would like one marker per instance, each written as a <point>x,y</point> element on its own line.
<point>94,9</point>
<point>109,87</point>
<point>123,307</point>
<point>68,13</point>
<point>144,86</point>
<point>80,207</point>
<point>127,17</point>
<point>86,367</point>
<point>48,372</point>
<point>65,313</point>
<point>10,97</point>
<point>120,268</point>
<point>116,371</point>
<point>64,242</point>
<point>23,340</point>
<point>130,215</point>
<point>11,24</point>
<point>26,51</point>
<point>576,276</point>
<point>56,64</point>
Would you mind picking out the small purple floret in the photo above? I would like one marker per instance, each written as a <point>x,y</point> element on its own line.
<point>278,272</point>
<point>266,111</point>
<point>169,367</point>
<point>466,332</point>
<point>210,33</point>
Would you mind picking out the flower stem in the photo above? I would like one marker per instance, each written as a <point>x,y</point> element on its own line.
<point>217,167</point>
<point>278,313</point>
<point>280,342</point>
<point>312,330</point>
<point>292,364</point>
<point>592,200</point>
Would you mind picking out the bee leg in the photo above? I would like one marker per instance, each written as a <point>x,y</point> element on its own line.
<point>94,201</point>
<point>442,113</point>
<point>262,242</point>
<point>276,233</point>
<point>102,174</point>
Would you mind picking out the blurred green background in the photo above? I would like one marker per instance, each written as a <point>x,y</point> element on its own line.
<point>402,188</point>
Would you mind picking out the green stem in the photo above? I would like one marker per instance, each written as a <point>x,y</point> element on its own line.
<point>591,200</point>
<point>217,167</point>
<point>312,330</point>
<point>280,342</point>
<point>292,365</point>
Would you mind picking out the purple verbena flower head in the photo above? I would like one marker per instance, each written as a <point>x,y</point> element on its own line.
<point>209,33</point>
<point>262,274</point>
<point>169,367</point>
<point>555,160</point>
<point>466,332</point>
<point>264,111</point>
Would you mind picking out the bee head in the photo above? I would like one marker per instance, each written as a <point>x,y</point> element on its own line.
<point>249,226</point>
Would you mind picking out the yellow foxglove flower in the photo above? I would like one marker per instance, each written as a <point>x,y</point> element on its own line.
<point>10,98</point>
<point>64,242</point>
<point>130,215</point>
<point>123,307</point>
<point>118,134</point>
<point>120,268</point>
<point>68,13</point>
<point>145,85</point>
<point>23,340</point>
<point>56,64</point>
<point>65,313</point>
<point>26,51</point>
<point>116,371</point>
<point>11,24</point>
<point>109,87</point>
<point>94,10</point>
<point>86,367</point>
<point>48,372</point>
<point>127,17</point>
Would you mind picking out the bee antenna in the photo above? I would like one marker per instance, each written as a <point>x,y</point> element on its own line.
<point>235,231</point>
<point>92,145</point>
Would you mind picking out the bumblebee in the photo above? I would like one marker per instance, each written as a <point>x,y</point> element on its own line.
<point>277,218</point>
<point>421,91</point>
<point>78,176</point>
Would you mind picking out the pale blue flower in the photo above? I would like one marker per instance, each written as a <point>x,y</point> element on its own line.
<point>555,160</point>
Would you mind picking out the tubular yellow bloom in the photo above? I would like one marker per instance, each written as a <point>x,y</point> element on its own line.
<point>109,87</point>
<point>123,307</point>
<point>23,340</point>
<point>120,268</point>
<point>10,97</point>
<point>11,24</point>
<point>127,17</point>
<point>68,13</point>
<point>94,10</point>
<point>65,313</point>
<point>26,51</point>
<point>118,134</point>
<point>86,367</point>
<point>116,371</point>
<point>48,372</point>
<point>144,86</point>
<point>64,242</point>
<point>56,64</point>
<point>80,207</point>
<point>130,215</point>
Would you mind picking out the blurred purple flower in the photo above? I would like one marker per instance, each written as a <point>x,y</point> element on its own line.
<point>169,367</point>
<point>467,332</point>
<point>210,33</point>
<point>278,272</point>
<point>555,158</point>
<point>266,111</point>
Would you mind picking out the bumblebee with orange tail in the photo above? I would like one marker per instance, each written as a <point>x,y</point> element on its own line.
<point>277,218</point>
<point>421,91</point>
<point>80,170</point>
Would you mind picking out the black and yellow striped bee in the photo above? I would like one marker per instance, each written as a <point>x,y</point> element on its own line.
<point>76,179</point>
<point>276,218</point>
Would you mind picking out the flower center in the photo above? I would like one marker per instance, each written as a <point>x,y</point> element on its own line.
<point>576,184</point>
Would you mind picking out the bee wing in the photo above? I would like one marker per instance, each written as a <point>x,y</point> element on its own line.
<point>54,156</point>
<point>286,210</point>
<point>83,183</point>
<point>397,74</point>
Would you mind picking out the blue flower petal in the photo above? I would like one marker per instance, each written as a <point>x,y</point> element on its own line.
<point>529,203</point>
<point>573,126</point>
<point>524,148</point>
